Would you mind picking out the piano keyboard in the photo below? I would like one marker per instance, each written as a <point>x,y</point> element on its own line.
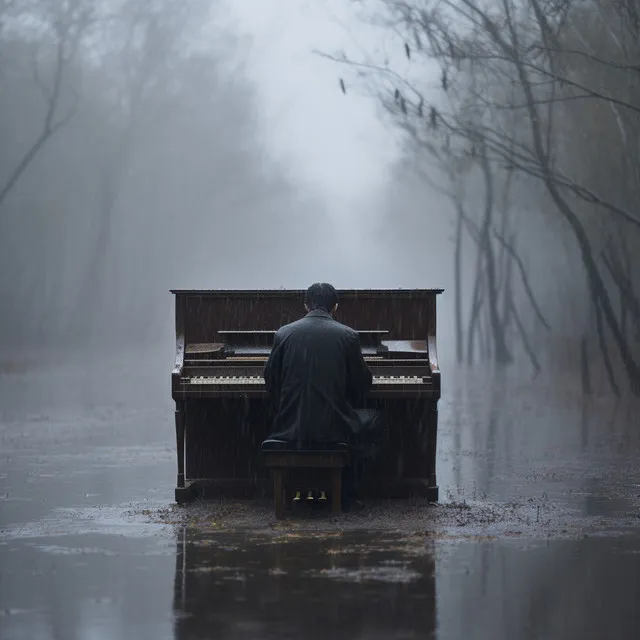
<point>218,380</point>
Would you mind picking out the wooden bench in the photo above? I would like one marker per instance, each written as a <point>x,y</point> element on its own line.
<point>281,462</point>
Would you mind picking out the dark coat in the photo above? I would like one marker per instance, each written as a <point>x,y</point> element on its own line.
<point>316,377</point>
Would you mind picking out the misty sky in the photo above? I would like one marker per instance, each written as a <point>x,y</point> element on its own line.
<point>326,135</point>
<point>334,144</point>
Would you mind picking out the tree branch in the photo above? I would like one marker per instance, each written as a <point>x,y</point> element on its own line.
<point>524,278</point>
<point>66,46</point>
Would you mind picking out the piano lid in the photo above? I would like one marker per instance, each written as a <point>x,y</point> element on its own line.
<point>204,347</point>
<point>278,293</point>
<point>418,347</point>
<point>204,351</point>
<point>371,338</point>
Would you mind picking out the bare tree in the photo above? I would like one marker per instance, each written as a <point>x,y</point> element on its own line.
<point>66,23</point>
<point>147,36</point>
<point>132,196</point>
<point>515,59</point>
<point>462,159</point>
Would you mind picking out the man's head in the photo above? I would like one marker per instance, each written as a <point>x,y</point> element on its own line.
<point>321,296</point>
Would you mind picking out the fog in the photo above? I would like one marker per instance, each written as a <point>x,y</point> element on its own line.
<point>490,149</point>
<point>149,146</point>
<point>215,151</point>
<point>163,173</point>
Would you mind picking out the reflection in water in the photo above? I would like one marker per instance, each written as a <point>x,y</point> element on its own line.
<point>359,585</point>
<point>314,585</point>
<point>319,586</point>
<point>493,429</point>
<point>513,439</point>
<point>566,590</point>
<point>73,565</point>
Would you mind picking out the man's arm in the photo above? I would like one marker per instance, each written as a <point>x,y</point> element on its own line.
<point>359,378</point>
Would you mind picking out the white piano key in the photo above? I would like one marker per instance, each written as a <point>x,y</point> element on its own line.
<point>239,380</point>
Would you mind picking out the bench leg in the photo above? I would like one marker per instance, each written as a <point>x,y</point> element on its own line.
<point>336,491</point>
<point>278,491</point>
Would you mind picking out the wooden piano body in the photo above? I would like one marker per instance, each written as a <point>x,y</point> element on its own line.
<point>223,414</point>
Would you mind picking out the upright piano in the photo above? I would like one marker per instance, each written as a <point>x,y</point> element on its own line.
<point>222,415</point>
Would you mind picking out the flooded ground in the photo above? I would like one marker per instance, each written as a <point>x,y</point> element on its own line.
<point>536,535</point>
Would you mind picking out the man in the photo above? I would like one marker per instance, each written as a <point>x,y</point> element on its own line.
<point>318,380</point>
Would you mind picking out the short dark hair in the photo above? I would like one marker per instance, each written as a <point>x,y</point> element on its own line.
<point>321,295</point>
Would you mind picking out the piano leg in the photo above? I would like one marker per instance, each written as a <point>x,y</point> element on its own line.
<point>182,493</point>
<point>432,489</point>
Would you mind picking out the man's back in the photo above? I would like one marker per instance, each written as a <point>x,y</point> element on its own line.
<point>316,376</point>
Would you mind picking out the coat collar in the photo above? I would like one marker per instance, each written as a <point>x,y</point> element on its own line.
<point>319,313</point>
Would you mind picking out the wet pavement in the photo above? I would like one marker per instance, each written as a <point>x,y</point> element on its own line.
<point>537,534</point>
